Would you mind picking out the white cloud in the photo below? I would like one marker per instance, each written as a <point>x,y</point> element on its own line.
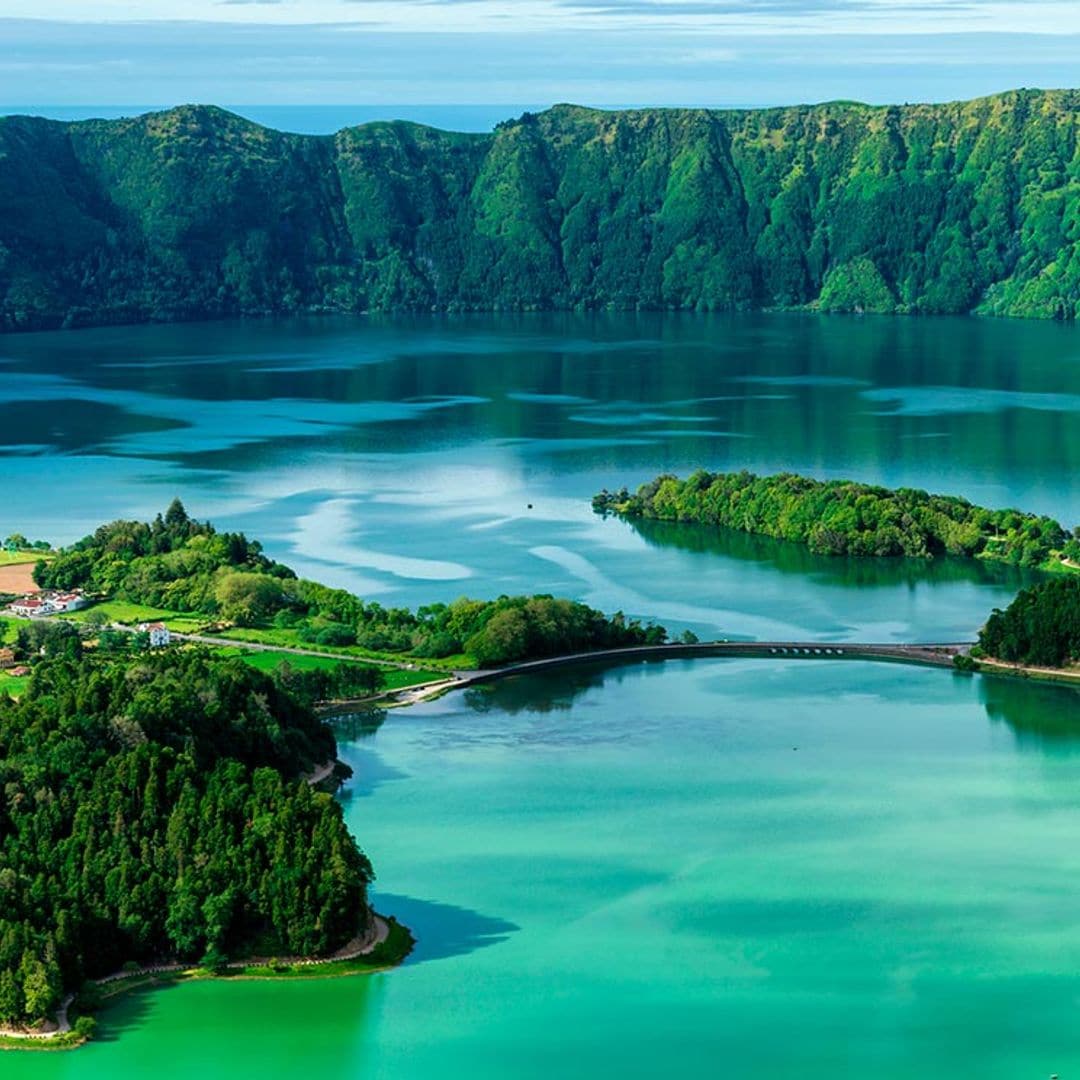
<point>734,17</point>
<point>128,62</point>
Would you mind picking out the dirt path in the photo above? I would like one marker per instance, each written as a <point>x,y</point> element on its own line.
<point>1071,675</point>
<point>63,1025</point>
<point>323,772</point>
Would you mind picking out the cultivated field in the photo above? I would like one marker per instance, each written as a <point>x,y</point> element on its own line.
<point>17,578</point>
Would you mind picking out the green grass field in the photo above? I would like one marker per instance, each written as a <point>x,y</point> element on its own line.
<point>291,639</point>
<point>8,629</point>
<point>13,686</point>
<point>119,611</point>
<point>132,614</point>
<point>395,678</point>
<point>399,678</point>
<point>15,558</point>
<point>184,624</point>
<point>271,661</point>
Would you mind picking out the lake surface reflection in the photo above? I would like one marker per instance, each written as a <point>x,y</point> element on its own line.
<point>722,867</point>
<point>421,459</point>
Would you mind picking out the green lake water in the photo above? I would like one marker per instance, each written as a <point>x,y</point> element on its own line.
<point>805,869</point>
<point>718,868</point>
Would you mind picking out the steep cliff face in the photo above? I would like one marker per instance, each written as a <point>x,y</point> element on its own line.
<point>195,212</point>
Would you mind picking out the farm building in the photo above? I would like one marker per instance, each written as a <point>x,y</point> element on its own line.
<point>159,633</point>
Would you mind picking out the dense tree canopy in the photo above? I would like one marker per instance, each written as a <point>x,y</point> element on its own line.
<point>173,562</point>
<point>842,517</point>
<point>195,212</point>
<point>153,807</point>
<point>183,565</point>
<point>1040,627</point>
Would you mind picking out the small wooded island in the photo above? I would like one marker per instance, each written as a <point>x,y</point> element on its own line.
<point>1039,630</point>
<point>844,517</point>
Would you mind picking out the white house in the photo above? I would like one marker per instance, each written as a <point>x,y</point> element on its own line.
<point>68,601</point>
<point>30,606</point>
<point>159,633</point>
<point>48,603</point>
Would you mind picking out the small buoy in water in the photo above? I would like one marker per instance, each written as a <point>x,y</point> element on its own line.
<point>530,506</point>
<point>794,748</point>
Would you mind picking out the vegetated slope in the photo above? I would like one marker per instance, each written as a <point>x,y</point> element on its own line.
<point>154,808</point>
<point>843,517</point>
<point>194,212</point>
<point>1040,627</point>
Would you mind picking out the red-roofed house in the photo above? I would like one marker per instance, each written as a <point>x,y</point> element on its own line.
<point>29,606</point>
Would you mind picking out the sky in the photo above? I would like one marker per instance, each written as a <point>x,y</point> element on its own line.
<point>534,52</point>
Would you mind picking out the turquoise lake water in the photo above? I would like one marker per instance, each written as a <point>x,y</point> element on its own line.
<point>422,459</point>
<point>719,868</point>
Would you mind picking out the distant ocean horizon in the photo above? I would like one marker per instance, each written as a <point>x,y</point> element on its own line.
<point>316,119</point>
<point>306,119</point>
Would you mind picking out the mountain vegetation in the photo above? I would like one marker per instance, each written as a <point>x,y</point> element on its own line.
<point>183,565</point>
<point>154,809</point>
<point>195,212</point>
<point>842,517</point>
<point>1041,627</point>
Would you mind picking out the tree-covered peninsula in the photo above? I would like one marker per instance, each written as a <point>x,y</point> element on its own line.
<point>196,213</point>
<point>843,517</point>
<point>155,809</point>
<point>183,565</point>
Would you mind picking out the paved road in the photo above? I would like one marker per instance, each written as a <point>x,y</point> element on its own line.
<point>932,654</point>
<point>937,655</point>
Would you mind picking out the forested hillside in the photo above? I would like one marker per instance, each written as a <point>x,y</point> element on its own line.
<point>1040,627</point>
<point>196,212</point>
<point>154,808</point>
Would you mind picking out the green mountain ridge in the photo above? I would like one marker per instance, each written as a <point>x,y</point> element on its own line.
<point>195,212</point>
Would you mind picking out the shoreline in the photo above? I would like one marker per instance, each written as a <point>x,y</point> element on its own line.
<point>383,949</point>
<point>988,665</point>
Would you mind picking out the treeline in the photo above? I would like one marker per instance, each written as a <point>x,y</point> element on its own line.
<point>1041,627</point>
<point>842,517</point>
<point>186,566</point>
<point>337,683</point>
<point>195,213</point>
<point>487,631</point>
<point>18,542</point>
<point>173,562</point>
<point>154,809</point>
